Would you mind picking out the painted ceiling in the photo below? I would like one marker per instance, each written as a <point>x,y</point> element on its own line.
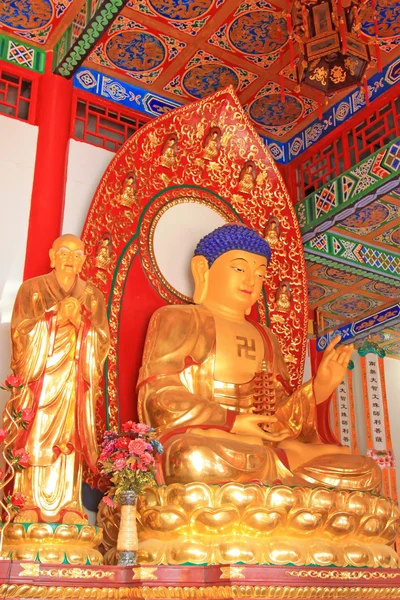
<point>343,297</point>
<point>187,49</point>
<point>184,50</point>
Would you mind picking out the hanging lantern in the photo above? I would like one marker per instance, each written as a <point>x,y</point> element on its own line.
<point>333,55</point>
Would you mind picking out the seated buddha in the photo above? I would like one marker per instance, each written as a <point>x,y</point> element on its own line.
<point>196,384</point>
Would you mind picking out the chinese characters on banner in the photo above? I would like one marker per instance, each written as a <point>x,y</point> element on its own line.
<point>343,414</point>
<point>379,440</point>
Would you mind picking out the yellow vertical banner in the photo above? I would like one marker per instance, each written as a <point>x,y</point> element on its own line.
<point>344,414</point>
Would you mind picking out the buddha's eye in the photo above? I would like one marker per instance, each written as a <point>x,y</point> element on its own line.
<point>238,269</point>
<point>259,275</point>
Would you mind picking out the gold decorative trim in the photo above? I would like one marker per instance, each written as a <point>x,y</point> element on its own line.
<point>232,572</point>
<point>144,573</point>
<point>367,575</point>
<point>76,573</point>
<point>29,570</point>
<point>36,570</point>
<point>212,592</point>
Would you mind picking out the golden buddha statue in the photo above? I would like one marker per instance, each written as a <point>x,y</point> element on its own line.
<point>60,340</point>
<point>103,256</point>
<point>196,384</point>
<point>272,232</point>
<point>168,153</point>
<point>127,196</point>
<point>247,179</point>
<point>283,297</point>
<point>212,144</point>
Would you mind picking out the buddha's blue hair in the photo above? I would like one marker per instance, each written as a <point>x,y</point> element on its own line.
<point>231,237</point>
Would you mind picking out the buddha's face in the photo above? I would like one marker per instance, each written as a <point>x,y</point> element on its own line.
<point>236,279</point>
<point>67,255</point>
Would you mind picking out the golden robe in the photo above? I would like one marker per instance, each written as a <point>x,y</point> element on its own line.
<point>61,368</point>
<point>194,414</point>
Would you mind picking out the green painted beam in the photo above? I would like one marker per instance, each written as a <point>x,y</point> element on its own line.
<point>68,54</point>
<point>373,177</point>
<point>354,256</point>
<point>18,52</point>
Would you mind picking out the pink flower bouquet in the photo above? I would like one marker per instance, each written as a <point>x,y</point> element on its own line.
<point>128,459</point>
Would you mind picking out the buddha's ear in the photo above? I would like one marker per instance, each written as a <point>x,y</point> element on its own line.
<point>200,271</point>
<point>52,254</point>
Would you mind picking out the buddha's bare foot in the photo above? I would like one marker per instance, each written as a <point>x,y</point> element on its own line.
<point>73,517</point>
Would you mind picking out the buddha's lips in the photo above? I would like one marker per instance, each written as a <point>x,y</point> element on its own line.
<point>246,291</point>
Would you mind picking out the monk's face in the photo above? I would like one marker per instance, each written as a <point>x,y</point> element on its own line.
<point>236,279</point>
<point>68,256</point>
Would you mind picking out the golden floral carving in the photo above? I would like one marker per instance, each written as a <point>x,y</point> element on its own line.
<point>334,574</point>
<point>77,573</point>
<point>319,74</point>
<point>338,75</point>
<point>232,572</point>
<point>144,573</point>
<point>29,570</point>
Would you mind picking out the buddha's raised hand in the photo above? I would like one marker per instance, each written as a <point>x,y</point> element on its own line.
<point>332,369</point>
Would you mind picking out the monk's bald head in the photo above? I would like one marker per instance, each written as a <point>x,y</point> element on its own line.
<point>67,240</point>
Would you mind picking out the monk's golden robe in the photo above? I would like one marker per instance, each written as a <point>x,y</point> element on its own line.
<point>194,414</point>
<point>61,368</point>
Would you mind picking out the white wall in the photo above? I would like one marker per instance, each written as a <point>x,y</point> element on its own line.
<point>86,165</point>
<point>17,160</point>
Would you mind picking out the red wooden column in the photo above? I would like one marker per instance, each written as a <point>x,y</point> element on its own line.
<point>49,181</point>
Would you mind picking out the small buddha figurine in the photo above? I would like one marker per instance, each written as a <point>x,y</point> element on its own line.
<point>127,196</point>
<point>247,178</point>
<point>272,232</point>
<point>103,256</point>
<point>60,340</point>
<point>169,152</point>
<point>283,297</point>
<point>197,384</point>
<point>212,144</point>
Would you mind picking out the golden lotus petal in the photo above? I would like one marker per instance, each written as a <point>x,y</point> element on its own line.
<point>215,520</point>
<point>324,552</point>
<point>359,503</point>
<point>239,495</point>
<point>39,532</point>
<point>305,520</point>
<point>236,549</point>
<point>390,533</point>
<point>321,498</point>
<point>357,555</point>
<point>262,521</point>
<point>281,497</point>
<point>281,551</point>
<point>189,551</point>
<point>341,524</point>
<point>161,521</point>
<point>384,556</point>
<point>151,552</point>
<point>383,506</point>
<point>14,532</point>
<point>189,497</point>
<point>149,497</point>
<point>372,526</point>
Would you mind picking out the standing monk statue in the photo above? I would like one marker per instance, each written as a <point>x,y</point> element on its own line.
<point>60,340</point>
<point>197,384</point>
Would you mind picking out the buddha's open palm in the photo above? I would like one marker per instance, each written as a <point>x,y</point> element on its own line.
<point>332,369</point>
